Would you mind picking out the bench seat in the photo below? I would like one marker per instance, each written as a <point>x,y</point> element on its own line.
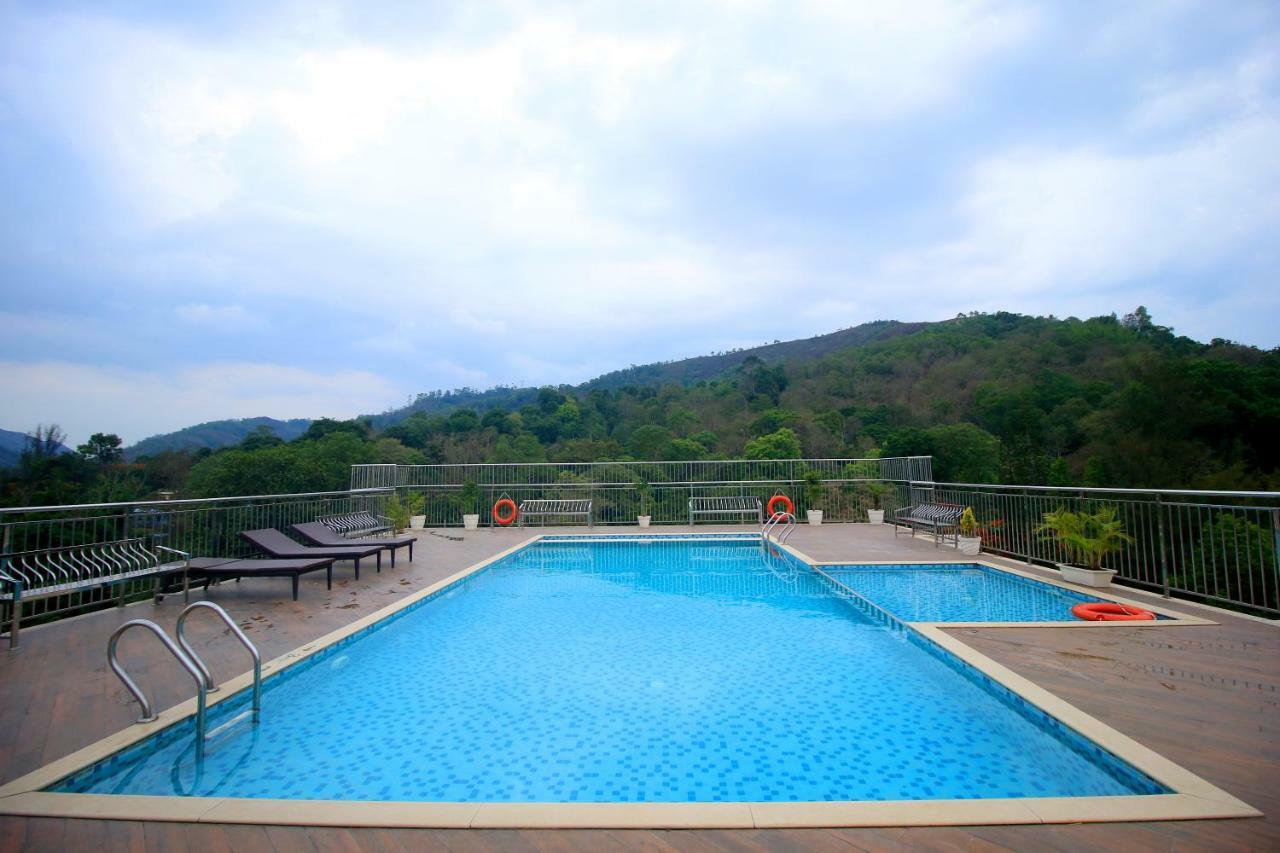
<point>939,519</point>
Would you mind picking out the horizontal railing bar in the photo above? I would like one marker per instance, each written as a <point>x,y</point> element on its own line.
<point>1104,490</point>
<point>190,501</point>
<point>633,463</point>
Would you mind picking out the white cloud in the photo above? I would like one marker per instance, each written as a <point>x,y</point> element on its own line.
<point>229,317</point>
<point>134,404</point>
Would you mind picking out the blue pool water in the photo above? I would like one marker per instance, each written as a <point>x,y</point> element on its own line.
<point>615,671</point>
<point>958,592</point>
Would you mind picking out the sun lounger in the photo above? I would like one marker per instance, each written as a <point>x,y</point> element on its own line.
<point>271,541</point>
<point>218,568</point>
<point>319,534</point>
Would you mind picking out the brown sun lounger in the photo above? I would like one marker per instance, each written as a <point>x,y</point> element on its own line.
<point>218,568</point>
<point>271,541</point>
<point>318,533</point>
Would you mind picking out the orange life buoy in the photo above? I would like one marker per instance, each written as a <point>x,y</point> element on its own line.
<point>1104,611</point>
<point>507,518</point>
<point>780,499</point>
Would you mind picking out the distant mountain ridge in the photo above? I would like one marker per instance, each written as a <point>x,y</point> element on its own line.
<point>13,443</point>
<point>216,434</point>
<point>680,372</point>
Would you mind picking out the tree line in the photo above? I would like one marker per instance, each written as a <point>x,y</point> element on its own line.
<point>992,397</point>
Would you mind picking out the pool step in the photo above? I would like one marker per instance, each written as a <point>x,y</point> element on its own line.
<point>223,728</point>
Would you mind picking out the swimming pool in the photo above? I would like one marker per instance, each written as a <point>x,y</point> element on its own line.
<point>618,671</point>
<point>958,592</point>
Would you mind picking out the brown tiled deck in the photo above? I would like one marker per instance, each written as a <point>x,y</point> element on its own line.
<point>1203,696</point>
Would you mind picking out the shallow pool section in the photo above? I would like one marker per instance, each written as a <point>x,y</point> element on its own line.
<point>958,592</point>
<point>589,671</point>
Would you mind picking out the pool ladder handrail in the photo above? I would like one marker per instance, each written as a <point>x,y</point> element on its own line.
<point>209,683</point>
<point>148,714</point>
<point>784,520</point>
<point>191,662</point>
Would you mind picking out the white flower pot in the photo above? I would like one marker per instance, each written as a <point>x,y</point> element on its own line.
<point>417,522</point>
<point>970,546</point>
<point>643,520</point>
<point>875,516</point>
<point>471,520</point>
<point>1086,577</point>
<point>814,516</point>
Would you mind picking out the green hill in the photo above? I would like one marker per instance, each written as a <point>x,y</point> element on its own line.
<point>216,434</point>
<point>993,397</point>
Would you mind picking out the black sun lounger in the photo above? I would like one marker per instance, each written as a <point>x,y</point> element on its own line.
<point>318,533</point>
<point>216,568</point>
<point>271,541</point>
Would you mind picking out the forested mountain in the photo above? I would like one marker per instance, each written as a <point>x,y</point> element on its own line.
<point>993,397</point>
<point>13,443</point>
<point>216,434</point>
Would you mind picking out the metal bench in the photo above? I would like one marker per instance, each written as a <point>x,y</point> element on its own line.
<point>937,518</point>
<point>726,506</point>
<point>70,569</point>
<point>355,525</point>
<point>545,508</point>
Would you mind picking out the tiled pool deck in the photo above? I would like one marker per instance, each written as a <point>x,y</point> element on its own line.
<point>1204,696</point>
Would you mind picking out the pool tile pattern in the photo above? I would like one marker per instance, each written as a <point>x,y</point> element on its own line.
<point>670,671</point>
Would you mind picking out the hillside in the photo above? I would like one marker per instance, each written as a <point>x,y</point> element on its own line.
<point>993,397</point>
<point>13,443</point>
<point>216,434</point>
<point>682,371</point>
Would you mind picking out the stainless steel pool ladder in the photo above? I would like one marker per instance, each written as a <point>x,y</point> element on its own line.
<point>782,522</point>
<point>192,663</point>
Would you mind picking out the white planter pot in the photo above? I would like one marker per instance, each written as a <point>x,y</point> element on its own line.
<point>814,516</point>
<point>643,520</point>
<point>970,546</point>
<point>417,522</point>
<point>1086,577</point>
<point>471,520</point>
<point>875,516</point>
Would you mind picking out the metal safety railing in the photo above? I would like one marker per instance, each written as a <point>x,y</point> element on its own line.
<point>207,527</point>
<point>621,491</point>
<point>1220,547</point>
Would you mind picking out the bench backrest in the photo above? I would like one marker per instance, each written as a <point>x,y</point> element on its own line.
<point>553,507</point>
<point>76,564</point>
<point>936,513</point>
<point>726,504</point>
<point>353,522</point>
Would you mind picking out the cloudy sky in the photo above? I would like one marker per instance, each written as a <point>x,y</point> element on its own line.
<point>308,209</point>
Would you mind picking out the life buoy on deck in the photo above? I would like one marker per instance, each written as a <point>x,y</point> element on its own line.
<point>783,499</point>
<point>1105,611</point>
<point>505,518</point>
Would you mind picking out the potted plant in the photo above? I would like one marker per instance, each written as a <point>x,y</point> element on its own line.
<point>397,513</point>
<point>969,542</point>
<point>1085,539</point>
<point>814,491</point>
<point>416,505</point>
<point>469,498</point>
<point>874,492</point>
<point>643,489</point>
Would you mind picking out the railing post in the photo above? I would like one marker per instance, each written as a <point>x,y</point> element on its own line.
<point>1164,563</point>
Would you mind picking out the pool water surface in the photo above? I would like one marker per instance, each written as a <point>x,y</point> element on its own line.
<point>575,671</point>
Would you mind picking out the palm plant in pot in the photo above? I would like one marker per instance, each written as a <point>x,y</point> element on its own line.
<point>643,489</point>
<point>416,505</point>
<point>874,492</point>
<point>814,493</point>
<point>397,513</point>
<point>469,498</point>
<point>1085,538</point>
<point>969,542</point>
